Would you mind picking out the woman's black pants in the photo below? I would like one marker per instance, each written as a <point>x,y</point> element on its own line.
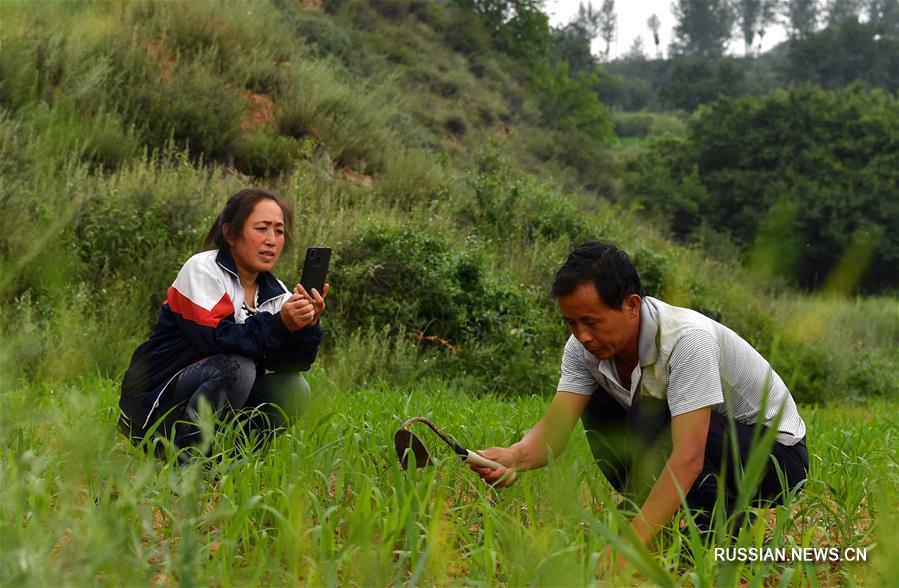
<point>231,385</point>
<point>631,447</point>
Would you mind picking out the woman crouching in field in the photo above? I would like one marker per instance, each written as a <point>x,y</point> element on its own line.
<point>230,334</point>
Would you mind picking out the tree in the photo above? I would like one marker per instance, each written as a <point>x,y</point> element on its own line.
<point>588,19</point>
<point>767,17</point>
<point>748,15</point>
<point>703,27</point>
<point>830,157</point>
<point>693,81</point>
<point>574,40</point>
<point>840,10</point>
<point>886,11</point>
<point>518,27</point>
<point>654,24</point>
<point>608,24</point>
<point>850,51</point>
<point>802,17</point>
<point>572,45</point>
<point>637,52</point>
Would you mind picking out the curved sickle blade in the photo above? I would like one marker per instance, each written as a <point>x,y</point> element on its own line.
<point>405,442</point>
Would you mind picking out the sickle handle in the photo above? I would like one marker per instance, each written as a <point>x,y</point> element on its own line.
<point>481,461</point>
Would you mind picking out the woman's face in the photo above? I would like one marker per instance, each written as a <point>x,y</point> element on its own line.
<point>261,241</point>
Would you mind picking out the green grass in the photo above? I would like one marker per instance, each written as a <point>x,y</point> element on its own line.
<point>326,504</point>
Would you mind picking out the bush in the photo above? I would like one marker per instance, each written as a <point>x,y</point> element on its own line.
<point>632,124</point>
<point>410,281</point>
<point>506,206</point>
<point>668,124</point>
<point>695,81</point>
<point>382,262</point>
<point>220,33</point>
<point>643,124</point>
<point>805,370</point>
<point>412,177</point>
<point>464,32</point>
<point>102,140</point>
<point>14,157</point>
<point>196,108</point>
<point>351,122</point>
<point>263,154</point>
<point>324,36</point>
<point>872,374</point>
<point>665,180</point>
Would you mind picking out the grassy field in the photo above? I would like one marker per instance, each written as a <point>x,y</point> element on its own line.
<point>327,504</point>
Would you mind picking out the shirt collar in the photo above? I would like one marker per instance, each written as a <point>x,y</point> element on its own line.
<point>648,339</point>
<point>269,286</point>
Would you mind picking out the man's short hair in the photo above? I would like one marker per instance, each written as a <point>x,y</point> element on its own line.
<point>605,266</point>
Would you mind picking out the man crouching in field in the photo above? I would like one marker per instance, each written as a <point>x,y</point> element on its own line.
<point>648,379</point>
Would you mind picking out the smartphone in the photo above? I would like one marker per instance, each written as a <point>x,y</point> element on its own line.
<point>315,268</point>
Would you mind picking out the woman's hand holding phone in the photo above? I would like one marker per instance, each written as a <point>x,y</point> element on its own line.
<point>317,300</point>
<point>298,313</point>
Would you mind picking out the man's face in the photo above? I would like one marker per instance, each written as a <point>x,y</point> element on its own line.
<point>604,331</point>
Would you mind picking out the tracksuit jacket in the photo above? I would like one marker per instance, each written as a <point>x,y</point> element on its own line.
<point>199,319</point>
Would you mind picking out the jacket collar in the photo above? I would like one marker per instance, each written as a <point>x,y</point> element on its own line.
<point>269,286</point>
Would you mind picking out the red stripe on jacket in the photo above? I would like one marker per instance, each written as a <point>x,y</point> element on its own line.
<point>188,309</point>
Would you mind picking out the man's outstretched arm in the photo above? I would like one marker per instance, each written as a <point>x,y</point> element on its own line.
<point>550,434</point>
<point>688,437</point>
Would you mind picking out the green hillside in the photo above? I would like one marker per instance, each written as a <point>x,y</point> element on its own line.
<point>454,175</point>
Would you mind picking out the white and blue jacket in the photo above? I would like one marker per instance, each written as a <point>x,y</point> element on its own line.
<point>202,316</point>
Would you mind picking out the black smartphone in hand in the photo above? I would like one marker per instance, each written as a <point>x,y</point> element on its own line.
<point>315,269</point>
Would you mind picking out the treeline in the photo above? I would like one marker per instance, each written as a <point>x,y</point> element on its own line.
<point>830,44</point>
<point>866,53</point>
<point>806,180</point>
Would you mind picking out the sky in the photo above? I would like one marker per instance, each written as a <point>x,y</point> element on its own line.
<point>632,17</point>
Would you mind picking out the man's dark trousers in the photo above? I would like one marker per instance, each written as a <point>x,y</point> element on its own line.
<point>631,447</point>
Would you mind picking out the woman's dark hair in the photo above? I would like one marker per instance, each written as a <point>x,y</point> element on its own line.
<point>239,206</point>
<point>604,265</point>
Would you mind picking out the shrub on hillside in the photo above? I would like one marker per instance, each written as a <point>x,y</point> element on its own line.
<point>144,222</point>
<point>407,277</point>
<point>14,157</point>
<point>570,104</point>
<point>350,121</point>
<point>197,109</point>
<point>872,374</point>
<point>324,36</point>
<point>409,280</point>
<point>666,123</point>
<point>464,32</point>
<point>807,371</point>
<point>412,177</point>
<point>265,154</point>
<point>103,140</point>
<point>506,205</point>
<point>221,33</point>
